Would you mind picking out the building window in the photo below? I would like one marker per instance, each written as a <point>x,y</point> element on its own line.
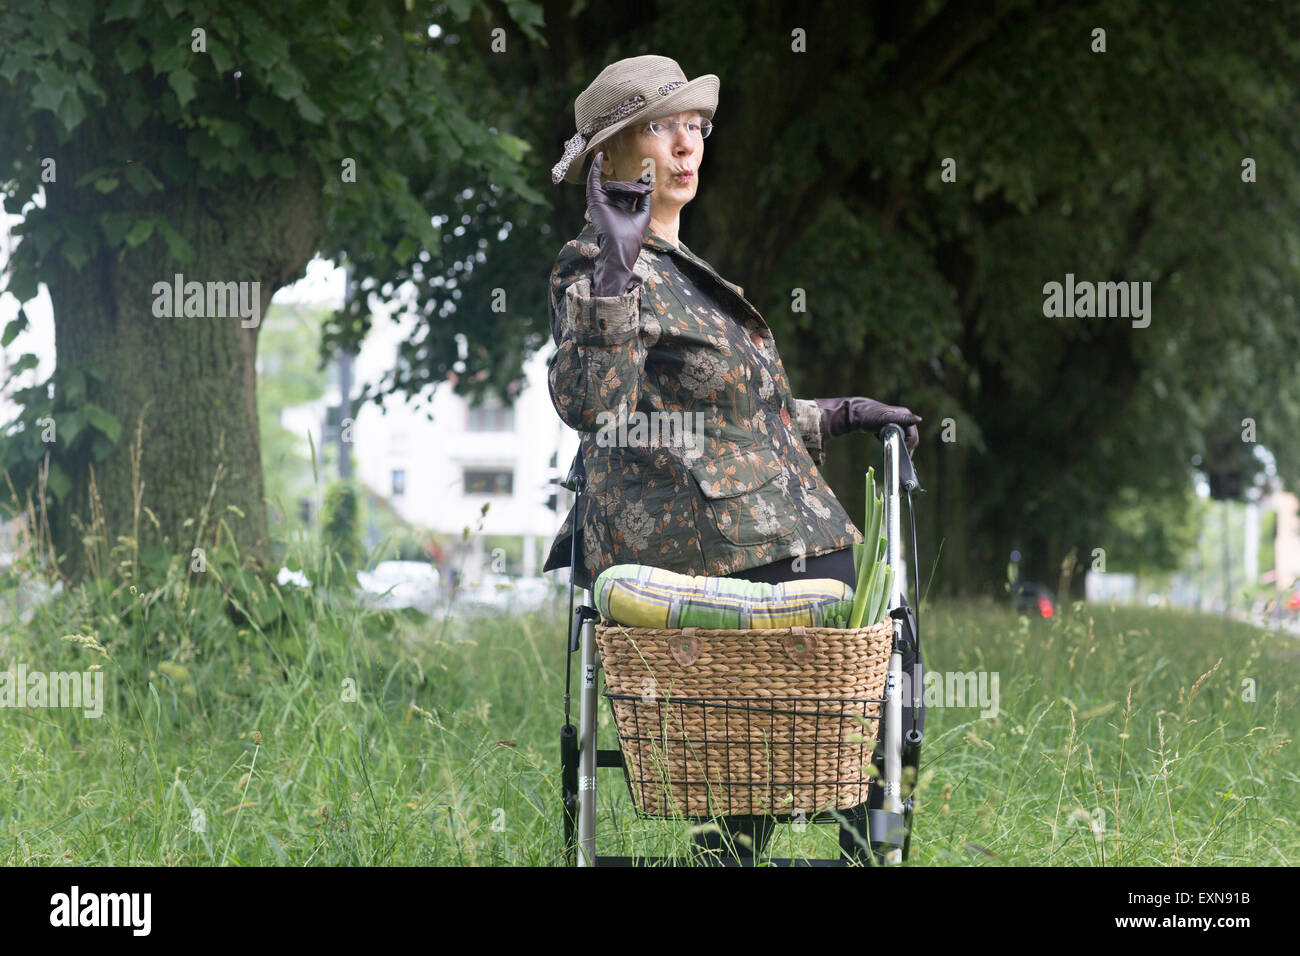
<point>399,482</point>
<point>491,416</point>
<point>489,481</point>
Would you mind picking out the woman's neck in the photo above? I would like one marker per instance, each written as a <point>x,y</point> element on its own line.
<point>666,230</point>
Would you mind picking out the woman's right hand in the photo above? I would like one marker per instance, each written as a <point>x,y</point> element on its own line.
<point>620,212</point>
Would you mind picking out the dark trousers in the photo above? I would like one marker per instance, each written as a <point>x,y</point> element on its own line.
<point>837,565</point>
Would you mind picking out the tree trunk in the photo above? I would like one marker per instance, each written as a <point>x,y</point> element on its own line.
<point>183,388</point>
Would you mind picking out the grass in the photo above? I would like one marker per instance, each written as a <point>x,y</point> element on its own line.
<point>305,730</point>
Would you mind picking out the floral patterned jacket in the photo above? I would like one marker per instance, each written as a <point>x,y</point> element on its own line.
<point>698,458</point>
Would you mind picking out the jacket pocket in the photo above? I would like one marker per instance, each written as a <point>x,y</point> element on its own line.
<point>747,502</point>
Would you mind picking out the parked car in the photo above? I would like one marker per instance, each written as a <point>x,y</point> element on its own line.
<point>1032,598</point>
<point>400,584</point>
<point>500,592</point>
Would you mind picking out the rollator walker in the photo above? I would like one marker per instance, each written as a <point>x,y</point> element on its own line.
<point>880,827</point>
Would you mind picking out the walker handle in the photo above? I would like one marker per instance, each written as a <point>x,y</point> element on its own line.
<point>906,473</point>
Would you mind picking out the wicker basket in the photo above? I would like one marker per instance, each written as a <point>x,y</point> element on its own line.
<point>776,721</point>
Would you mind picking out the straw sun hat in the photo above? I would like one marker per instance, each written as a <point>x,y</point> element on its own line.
<point>634,90</point>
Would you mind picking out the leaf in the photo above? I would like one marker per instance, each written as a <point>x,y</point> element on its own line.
<point>114,226</point>
<point>17,325</point>
<point>22,281</point>
<point>170,58</point>
<point>88,84</point>
<point>177,245</point>
<point>307,109</point>
<point>140,232</point>
<point>71,112</point>
<point>94,174</point>
<point>107,184</point>
<point>221,58</point>
<point>25,361</point>
<point>75,251</point>
<point>141,179</point>
<point>135,110</point>
<point>70,426</point>
<point>57,481</point>
<point>227,134</point>
<point>513,146</point>
<point>74,386</point>
<point>182,81</point>
<point>406,248</point>
<point>130,57</point>
<point>122,10</point>
<point>103,420</point>
<point>12,64</point>
<point>47,97</point>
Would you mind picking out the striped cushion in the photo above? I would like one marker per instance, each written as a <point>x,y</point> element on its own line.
<point>641,596</point>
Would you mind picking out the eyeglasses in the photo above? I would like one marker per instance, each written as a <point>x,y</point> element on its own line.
<point>696,129</point>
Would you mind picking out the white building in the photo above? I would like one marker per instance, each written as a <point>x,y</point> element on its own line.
<point>439,473</point>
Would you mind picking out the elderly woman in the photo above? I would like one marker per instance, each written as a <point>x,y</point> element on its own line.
<point>647,333</point>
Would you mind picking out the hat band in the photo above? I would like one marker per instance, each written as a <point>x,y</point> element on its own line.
<point>578,141</point>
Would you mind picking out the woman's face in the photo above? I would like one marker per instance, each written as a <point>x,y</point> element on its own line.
<point>676,155</point>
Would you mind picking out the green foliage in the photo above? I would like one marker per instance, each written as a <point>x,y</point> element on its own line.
<point>340,525</point>
<point>124,116</point>
<point>57,432</point>
<point>179,96</point>
<point>1150,535</point>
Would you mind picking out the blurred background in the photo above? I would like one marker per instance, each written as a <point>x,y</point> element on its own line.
<point>893,186</point>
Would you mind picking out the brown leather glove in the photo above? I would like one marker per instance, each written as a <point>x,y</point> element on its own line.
<point>621,214</point>
<point>843,415</point>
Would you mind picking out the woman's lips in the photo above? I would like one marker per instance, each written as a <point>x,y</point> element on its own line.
<point>683,177</point>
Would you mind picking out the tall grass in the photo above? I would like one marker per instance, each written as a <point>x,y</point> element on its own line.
<point>252,724</point>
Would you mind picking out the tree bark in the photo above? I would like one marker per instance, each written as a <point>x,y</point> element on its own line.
<point>183,388</point>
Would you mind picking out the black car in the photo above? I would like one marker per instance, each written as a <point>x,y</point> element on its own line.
<point>1031,598</point>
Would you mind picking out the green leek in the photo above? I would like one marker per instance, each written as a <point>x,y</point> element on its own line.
<point>874,576</point>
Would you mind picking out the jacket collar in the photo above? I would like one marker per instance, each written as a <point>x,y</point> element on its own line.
<point>683,252</point>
